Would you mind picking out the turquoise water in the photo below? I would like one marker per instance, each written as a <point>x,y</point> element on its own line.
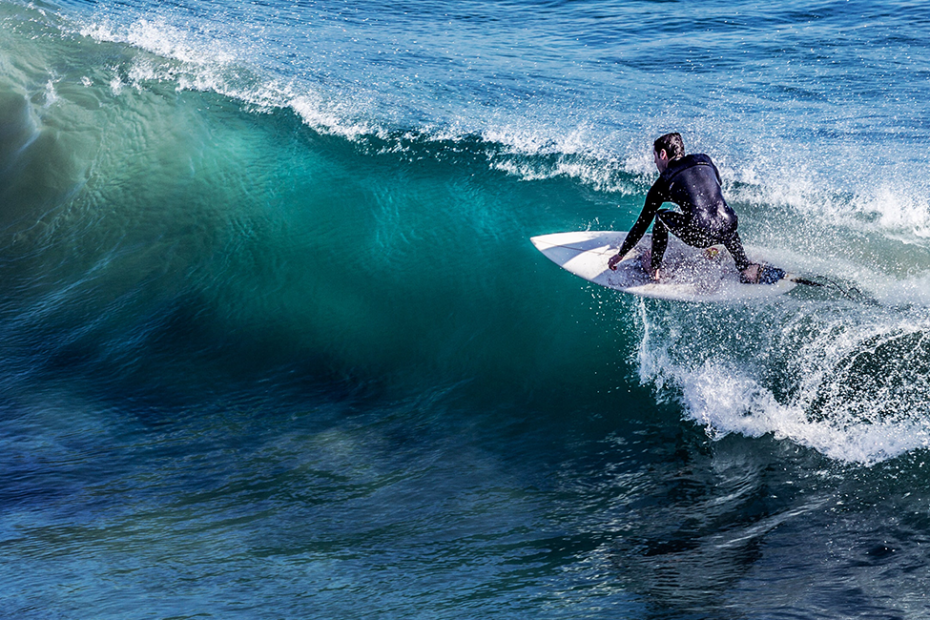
<point>277,345</point>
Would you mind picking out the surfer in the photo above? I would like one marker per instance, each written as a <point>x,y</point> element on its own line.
<point>693,183</point>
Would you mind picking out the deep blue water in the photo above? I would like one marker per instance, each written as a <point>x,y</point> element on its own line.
<point>276,345</point>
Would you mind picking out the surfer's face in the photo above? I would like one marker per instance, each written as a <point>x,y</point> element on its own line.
<point>661,160</point>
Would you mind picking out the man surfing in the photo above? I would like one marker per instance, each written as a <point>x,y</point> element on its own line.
<point>693,183</point>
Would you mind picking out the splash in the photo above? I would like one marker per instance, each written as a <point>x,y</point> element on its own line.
<point>850,382</point>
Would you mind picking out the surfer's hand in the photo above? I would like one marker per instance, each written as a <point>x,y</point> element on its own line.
<point>750,275</point>
<point>612,263</point>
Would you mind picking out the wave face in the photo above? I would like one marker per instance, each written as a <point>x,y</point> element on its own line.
<point>266,264</point>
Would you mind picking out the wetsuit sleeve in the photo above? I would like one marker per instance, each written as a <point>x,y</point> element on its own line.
<point>654,200</point>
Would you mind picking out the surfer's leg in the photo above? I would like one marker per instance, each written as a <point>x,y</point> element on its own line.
<point>735,247</point>
<point>667,220</point>
<point>683,227</point>
<point>749,273</point>
<point>701,238</point>
<point>659,239</point>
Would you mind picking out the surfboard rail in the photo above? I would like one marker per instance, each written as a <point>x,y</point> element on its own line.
<point>693,274</point>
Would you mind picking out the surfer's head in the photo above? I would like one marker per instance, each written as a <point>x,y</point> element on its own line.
<point>667,148</point>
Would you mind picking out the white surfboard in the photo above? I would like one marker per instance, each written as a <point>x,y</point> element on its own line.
<point>692,274</point>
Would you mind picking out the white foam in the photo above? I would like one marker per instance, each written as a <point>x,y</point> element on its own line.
<point>205,64</point>
<point>725,400</point>
<point>600,175</point>
<point>903,209</point>
<point>860,394</point>
<point>162,39</point>
<point>914,290</point>
<point>51,95</point>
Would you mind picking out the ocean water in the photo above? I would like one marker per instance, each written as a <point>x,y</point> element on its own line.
<point>276,344</point>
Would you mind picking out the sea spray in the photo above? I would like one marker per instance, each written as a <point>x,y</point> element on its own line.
<point>846,378</point>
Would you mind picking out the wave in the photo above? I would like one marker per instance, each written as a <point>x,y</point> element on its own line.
<point>169,198</point>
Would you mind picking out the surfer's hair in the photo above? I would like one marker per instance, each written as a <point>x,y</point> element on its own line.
<point>672,144</point>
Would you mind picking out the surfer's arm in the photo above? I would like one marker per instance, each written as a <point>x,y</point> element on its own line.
<point>653,202</point>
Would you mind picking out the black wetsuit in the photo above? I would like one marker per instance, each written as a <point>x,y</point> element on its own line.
<point>693,183</point>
